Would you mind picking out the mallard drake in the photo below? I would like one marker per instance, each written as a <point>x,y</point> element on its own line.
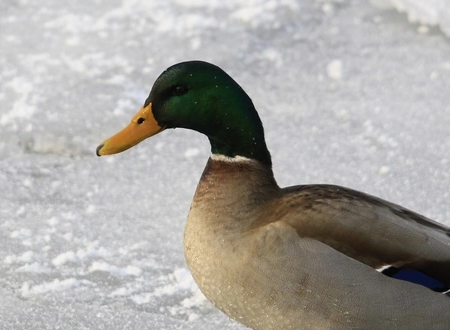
<point>303,257</point>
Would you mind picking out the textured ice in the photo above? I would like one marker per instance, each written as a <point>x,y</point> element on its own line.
<point>350,93</point>
<point>430,12</point>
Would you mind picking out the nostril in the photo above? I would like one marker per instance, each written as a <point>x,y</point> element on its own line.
<point>140,120</point>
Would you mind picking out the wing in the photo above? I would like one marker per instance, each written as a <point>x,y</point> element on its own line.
<point>369,229</point>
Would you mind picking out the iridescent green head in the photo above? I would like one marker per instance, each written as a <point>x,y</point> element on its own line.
<point>202,97</point>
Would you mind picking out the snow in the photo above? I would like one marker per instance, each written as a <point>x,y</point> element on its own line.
<point>334,69</point>
<point>351,92</point>
<point>430,12</point>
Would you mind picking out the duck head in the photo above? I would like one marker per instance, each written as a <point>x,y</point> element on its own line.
<point>199,96</point>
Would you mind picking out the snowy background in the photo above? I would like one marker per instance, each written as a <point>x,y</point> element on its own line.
<point>351,92</point>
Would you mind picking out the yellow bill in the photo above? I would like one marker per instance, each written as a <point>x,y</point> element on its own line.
<point>142,126</point>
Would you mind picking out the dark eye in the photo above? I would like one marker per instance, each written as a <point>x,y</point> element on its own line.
<point>140,120</point>
<point>180,90</point>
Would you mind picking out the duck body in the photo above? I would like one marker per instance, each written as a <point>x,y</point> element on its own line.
<point>303,257</point>
<point>261,273</point>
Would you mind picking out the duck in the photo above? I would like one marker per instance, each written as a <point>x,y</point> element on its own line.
<point>317,256</point>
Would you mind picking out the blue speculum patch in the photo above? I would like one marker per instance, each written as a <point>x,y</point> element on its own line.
<point>416,277</point>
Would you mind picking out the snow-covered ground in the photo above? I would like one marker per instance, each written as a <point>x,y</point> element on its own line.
<point>350,91</point>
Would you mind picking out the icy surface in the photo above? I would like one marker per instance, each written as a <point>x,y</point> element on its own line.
<point>350,93</point>
<point>429,12</point>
